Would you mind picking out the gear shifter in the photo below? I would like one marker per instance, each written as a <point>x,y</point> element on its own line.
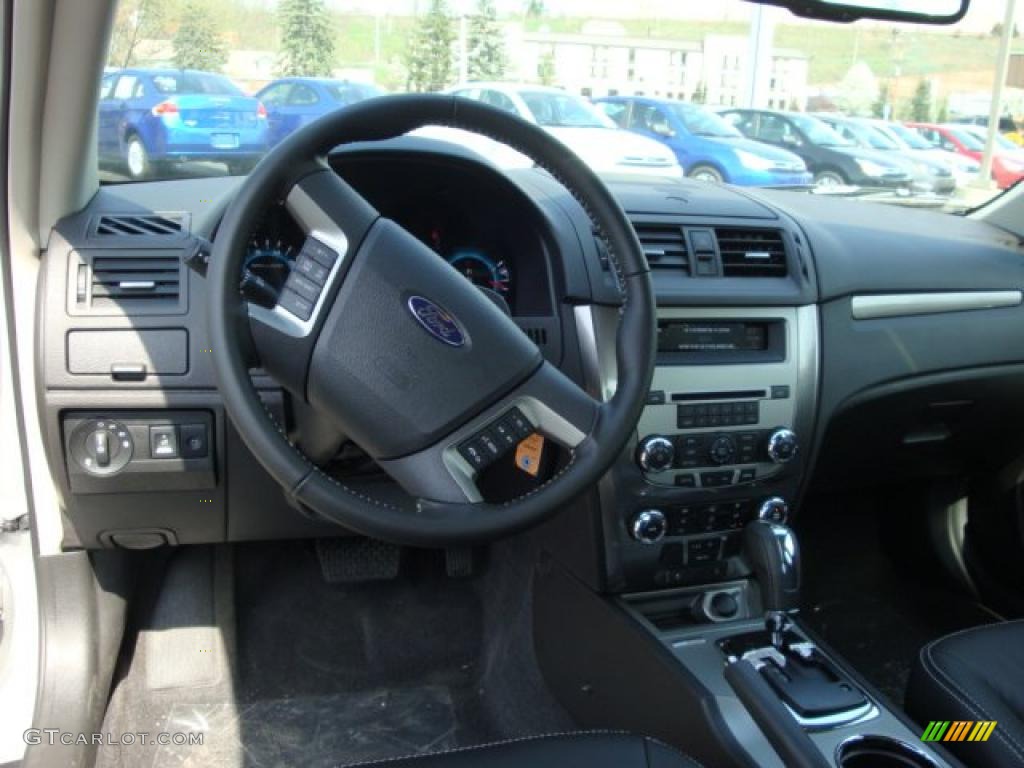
<point>772,553</point>
<point>777,622</point>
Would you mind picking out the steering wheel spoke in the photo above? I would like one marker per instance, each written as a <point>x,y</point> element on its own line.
<point>335,219</point>
<point>548,403</point>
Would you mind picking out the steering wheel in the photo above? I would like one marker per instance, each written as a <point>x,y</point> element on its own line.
<point>412,361</point>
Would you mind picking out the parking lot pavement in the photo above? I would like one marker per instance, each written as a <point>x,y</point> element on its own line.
<point>190,170</point>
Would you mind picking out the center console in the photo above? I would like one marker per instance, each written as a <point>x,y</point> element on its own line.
<point>722,441</point>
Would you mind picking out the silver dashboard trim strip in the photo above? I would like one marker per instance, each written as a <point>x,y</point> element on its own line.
<point>908,304</point>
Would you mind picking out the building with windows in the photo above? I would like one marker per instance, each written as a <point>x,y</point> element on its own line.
<point>710,71</point>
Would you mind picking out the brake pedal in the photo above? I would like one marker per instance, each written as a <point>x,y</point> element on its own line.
<point>458,562</point>
<point>356,560</point>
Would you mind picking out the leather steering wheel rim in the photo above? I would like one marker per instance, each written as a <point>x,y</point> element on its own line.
<point>301,157</point>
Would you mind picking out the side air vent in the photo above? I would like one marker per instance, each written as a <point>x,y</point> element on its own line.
<point>538,336</point>
<point>141,225</point>
<point>664,246</point>
<point>751,252</point>
<point>144,282</point>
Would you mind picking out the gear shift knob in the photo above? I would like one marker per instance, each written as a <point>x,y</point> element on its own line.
<point>772,553</point>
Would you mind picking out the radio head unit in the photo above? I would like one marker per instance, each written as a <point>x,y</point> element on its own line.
<point>692,341</point>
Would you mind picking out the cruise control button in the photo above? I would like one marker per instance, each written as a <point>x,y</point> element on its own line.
<point>492,448</point>
<point>307,289</point>
<point>320,252</point>
<point>298,305</point>
<point>473,452</point>
<point>520,423</point>
<point>505,433</point>
<point>311,269</point>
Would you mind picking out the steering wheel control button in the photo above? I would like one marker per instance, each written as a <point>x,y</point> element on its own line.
<point>101,447</point>
<point>311,269</point>
<point>163,441</point>
<point>473,452</point>
<point>520,424</point>
<point>298,305</point>
<point>195,443</point>
<point>495,440</point>
<point>319,252</point>
<point>655,454</point>
<point>649,526</point>
<point>307,289</point>
<point>782,446</point>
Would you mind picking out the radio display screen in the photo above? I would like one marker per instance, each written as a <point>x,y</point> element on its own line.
<point>712,336</point>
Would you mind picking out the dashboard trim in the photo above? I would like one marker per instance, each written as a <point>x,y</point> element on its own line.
<point>909,304</point>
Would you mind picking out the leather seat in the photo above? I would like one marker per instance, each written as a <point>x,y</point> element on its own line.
<point>977,674</point>
<point>589,749</point>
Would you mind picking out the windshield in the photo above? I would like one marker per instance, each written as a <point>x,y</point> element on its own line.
<point>701,122</point>
<point>197,88</point>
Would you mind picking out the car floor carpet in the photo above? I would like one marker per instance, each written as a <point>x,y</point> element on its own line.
<point>302,672</point>
<point>869,592</point>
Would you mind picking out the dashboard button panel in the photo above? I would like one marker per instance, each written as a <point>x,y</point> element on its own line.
<point>496,439</point>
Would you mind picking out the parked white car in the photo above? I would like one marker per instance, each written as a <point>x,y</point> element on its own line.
<point>580,126</point>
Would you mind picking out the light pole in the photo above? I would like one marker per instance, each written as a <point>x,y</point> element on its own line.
<point>996,109</point>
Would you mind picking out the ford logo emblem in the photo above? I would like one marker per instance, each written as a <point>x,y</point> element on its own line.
<point>438,322</point>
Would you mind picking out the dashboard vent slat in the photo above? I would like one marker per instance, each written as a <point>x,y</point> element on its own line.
<point>133,282</point>
<point>664,245</point>
<point>751,252</point>
<point>141,225</point>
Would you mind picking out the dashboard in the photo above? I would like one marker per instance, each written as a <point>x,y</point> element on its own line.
<point>793,331</point>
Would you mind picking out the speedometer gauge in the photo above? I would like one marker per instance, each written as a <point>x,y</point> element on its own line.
<point>270,260</point>
<point>481,270</point>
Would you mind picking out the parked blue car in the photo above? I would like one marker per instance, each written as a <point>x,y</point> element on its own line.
<point>707,147</point>
<point>294,101</point>
<point>152,118</point>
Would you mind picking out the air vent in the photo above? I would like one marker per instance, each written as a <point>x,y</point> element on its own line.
<point>751,252</point>
<point>664,246</point>
<point>133,284</point>
<point>141,225</point>
<point>538,336</point>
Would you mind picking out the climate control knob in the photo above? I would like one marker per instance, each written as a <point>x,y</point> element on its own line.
<point>722,450</point>
<point>655,454</point>
<point>782,445</point>
<point>649,526</point>
<point>774,509</point>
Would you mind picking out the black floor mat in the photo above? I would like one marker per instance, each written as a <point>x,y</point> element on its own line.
<point>304,672</point>
<point>873,597</point>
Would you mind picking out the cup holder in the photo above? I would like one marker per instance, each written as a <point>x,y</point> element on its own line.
<point>881,752</point>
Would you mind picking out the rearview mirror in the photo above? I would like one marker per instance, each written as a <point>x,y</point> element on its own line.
<point>914,11</point>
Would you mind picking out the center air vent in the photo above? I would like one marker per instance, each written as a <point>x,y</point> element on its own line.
<point>751,252</point>
<point>141,225</point>
<point>664,246</point>
<point>145,282</point>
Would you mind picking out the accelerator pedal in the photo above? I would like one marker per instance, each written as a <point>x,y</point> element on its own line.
<point>355,560</point>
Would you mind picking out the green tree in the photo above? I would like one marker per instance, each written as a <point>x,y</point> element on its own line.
<point>307,39</point>
<point>485,48</point>
<point>921,104</point>
<point>881,106</point>
<point>700,96</point>
<point>942,116</point>
<point>546,68</point>
<point>534,8</point>
<point>428,60</point>
<point>197,43</point>
<point>135,21</point>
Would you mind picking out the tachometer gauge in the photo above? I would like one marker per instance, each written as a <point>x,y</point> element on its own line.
<point>270,260</point>
<point>481,270</point>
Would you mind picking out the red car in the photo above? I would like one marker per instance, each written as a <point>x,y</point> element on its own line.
<point>1007,166</point>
